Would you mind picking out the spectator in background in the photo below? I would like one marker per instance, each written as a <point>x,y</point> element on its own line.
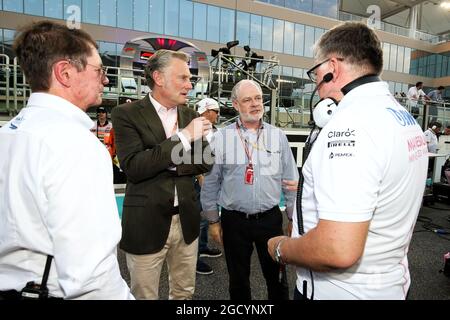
<point>208,108</point>
<point>447,131</point>
<point>102,126</point>
<point>436,95</point>
<point>414,95</point>
<point>431,136</point>
<point>56,189</point>
<point>103,130</point>
<point>434,100</point>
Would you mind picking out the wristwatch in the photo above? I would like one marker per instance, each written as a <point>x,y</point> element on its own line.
<point>278,257</point>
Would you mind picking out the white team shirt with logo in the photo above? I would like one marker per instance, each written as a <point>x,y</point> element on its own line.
<point>368,163</point>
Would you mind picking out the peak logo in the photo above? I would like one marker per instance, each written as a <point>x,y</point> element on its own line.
<point>334,155</point>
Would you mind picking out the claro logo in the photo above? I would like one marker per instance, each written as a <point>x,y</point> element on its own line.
<point>341,134</point>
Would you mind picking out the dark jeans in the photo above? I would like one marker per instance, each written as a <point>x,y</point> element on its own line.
<point>204,224</point>
<point>239,235</point>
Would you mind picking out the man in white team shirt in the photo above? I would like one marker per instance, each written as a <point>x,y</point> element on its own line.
<point>56,181</point>
<point>431,136</point>
<point>363,180</point>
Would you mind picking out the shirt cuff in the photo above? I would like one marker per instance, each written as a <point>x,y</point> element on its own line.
<point>209,136</point>
<point>345,216</point>
<point>186,145</point>
<point>212,216</point>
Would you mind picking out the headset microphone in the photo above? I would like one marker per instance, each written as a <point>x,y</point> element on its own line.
<point>326,78</point>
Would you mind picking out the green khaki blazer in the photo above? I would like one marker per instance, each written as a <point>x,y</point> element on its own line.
<point>144,154</point>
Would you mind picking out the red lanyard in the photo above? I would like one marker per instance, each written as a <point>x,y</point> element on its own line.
<point>248,153</point>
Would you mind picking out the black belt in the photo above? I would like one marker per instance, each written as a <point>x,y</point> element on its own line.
<point>253,216</point>
<point>175,210</point>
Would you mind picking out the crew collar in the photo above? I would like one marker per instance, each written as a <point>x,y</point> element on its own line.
<point>360,81</point>
<point>59,104</point>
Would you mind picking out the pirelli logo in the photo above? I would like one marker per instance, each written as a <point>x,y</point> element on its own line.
<point>341,143</point>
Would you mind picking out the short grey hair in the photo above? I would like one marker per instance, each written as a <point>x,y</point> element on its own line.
<point>237,87</point>
<point>356,43</point>
<point>159,61</point>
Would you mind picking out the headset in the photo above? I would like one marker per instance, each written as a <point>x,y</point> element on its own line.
<point>318,119</point>
<point>323,111</point>
<point>326,78</point>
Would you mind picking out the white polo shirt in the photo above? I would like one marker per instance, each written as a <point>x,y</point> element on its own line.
<point>432,140</point>
<point>415,94</point>
<point>369,163</point>
<point>57,198</point>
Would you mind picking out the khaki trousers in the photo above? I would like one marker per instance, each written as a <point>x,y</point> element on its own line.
<point>145,270</point>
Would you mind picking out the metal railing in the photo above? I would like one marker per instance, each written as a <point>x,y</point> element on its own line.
<point>14,93</point>
<point>228,69</point>
<point>399,30</point>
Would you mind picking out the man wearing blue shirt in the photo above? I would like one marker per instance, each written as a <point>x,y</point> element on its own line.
<point>253,160</point>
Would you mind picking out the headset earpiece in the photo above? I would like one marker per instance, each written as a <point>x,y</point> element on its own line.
<point>433,128</point>
<point>328,77</point>
<point>323,111</point>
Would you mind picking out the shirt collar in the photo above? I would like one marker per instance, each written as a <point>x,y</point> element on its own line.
<point>159,107</point>
<point>59,104</point>
<point>241,125</point>
<point>368,89</point>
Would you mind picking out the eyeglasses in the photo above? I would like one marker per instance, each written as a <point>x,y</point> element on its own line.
<point>101,70</point>
<point>312,73</point>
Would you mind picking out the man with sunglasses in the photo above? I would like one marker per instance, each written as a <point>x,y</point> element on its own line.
<point>363,180</point>
<point>58,200</point>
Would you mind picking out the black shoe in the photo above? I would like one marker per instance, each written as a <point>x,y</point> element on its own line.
<point>210,253</point>
<point>203,268</point>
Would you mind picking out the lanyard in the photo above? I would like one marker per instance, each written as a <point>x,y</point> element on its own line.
<point>245,143</point>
